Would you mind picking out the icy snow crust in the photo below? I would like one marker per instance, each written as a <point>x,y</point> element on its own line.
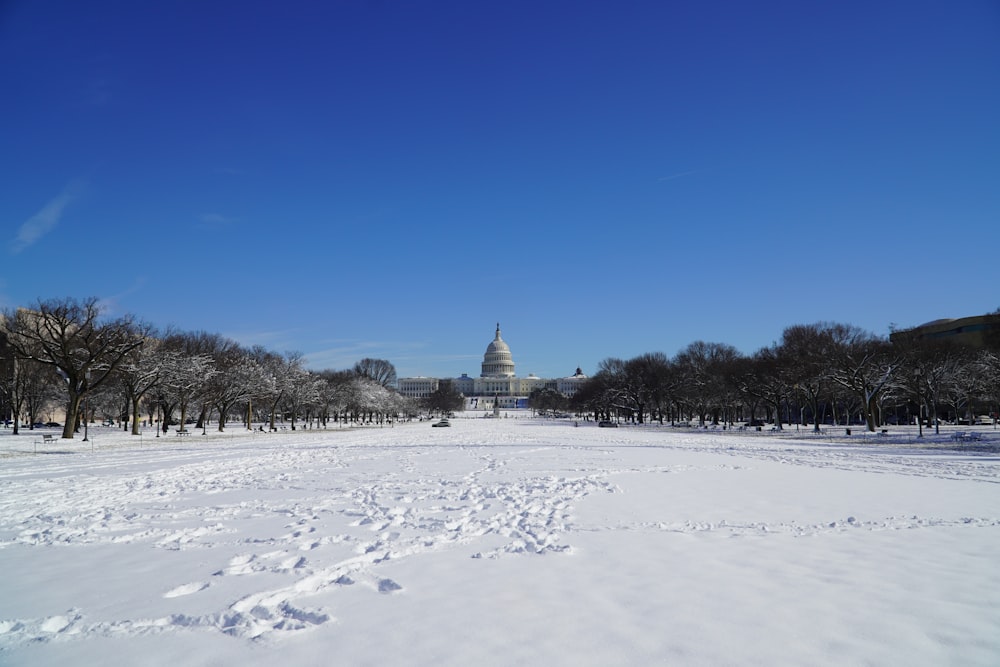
<point>496,542</point>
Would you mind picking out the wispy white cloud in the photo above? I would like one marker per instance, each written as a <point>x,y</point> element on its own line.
<point>110,304</point>
<point>339,354</point>
<point>677,175</point>
<point>43,222</point>
<point>345,353</point>
<point>218,220</point>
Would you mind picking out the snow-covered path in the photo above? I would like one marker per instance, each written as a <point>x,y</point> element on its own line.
<point>498,542</point>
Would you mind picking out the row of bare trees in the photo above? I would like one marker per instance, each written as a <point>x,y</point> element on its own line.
<point>124,371</point>
<point>818,373</point>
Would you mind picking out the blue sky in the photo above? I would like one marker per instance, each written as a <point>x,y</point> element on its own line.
<point>390,179</point>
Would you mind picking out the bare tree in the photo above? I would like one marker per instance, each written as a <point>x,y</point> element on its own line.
<point>189,361</point>
<point>239,375</point>
<point>623,386</point>
<point>379,370</point>
<point>546,399</point>
<point>335,393</point>
<point>967,384</point>
<point>70,336</point>
<point>989,361</point>
<point>928,370</point>
<point>704,371</point>
<point>768,380</point>
<point>30,387</point>
<point>444,399</point>
<point>288,384</point>
<point>300,388</point>
<point>23,384</point>
<point>659,382</point>
<point>185,379</point>
<point>8,369</point>
<point>863,364</point>
<point>141,370</point>
<point>744,378</point>
<point>806,350</point>
<point>593,397</point>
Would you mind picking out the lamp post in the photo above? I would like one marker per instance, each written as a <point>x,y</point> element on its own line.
<point>920,417</point>
<point>86,406</point>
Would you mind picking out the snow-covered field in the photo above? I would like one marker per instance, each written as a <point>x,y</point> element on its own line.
<point>500,542</point>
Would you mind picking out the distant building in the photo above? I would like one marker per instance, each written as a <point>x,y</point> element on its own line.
<point>568,386</point>
<point>418,387</point>
<point>497,384</point>
<point>976,331</point>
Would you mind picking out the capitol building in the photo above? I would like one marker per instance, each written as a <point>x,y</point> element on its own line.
<point>497,385</point>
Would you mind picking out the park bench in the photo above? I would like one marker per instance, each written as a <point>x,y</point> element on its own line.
<point>47,438</point>
<point>182,432</point>
<point>963,436</point>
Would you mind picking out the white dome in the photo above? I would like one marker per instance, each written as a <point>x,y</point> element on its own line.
<point>498,362</point>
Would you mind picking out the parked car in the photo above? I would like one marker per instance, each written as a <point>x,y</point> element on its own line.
<point>607,424</point>
<point>441,422</point>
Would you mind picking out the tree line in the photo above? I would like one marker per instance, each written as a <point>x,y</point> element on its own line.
<point>818,373</point>
<point>125,371</point>
<point>128,372</point>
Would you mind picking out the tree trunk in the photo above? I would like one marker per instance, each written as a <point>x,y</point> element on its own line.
<point>135,415</point>
<point>18,404</point>
<point>72,412</point>
<point>870,408</point>
<point>202,417</point>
